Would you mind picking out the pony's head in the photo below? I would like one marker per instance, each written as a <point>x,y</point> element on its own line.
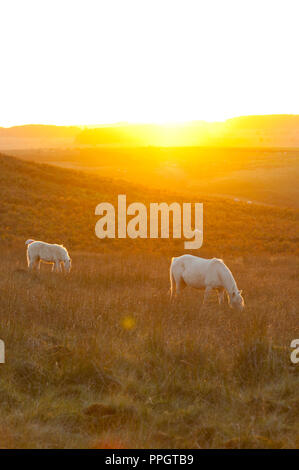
<point>68,264</point>
<point>237,300</point>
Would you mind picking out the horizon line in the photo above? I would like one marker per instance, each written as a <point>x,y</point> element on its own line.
<point>154,123</point>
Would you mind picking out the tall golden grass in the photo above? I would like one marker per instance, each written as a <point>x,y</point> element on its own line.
<point>101,359</point>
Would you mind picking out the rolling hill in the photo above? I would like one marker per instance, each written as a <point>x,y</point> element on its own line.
<point>268,176</point>
<point>269,131</point>
<point>43,202</point>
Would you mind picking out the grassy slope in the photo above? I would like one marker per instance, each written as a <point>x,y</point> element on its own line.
<point>101,359</point>
<point>266,175</point>
<point>43,202</point>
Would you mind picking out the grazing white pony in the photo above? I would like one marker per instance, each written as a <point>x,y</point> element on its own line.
<point>208,274</point>
<point>56,255</point>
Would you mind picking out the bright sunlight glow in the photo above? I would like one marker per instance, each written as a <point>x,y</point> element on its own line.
<point>104,61</point>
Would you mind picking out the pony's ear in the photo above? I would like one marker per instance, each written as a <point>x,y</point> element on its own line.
<point>240,291</point>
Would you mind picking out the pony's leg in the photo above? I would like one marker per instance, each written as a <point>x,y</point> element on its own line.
<point>57,266</point>
<point>177,284</point>
<point>220,293</point>
<point>207,293</point>
<point>180,285</point>
<point>31,264</point>
<point>172,291</point>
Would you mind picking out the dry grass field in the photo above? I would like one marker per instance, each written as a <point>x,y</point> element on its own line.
<point>100,358</point>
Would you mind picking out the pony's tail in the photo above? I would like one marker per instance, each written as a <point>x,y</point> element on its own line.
<point>27,242</point>
<point>172,281</point>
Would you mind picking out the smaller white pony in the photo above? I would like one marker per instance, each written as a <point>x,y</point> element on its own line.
<point>208,274</point>
<point>49,253</point>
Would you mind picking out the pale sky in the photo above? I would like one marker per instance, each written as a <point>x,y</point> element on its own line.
<point>105,61</point>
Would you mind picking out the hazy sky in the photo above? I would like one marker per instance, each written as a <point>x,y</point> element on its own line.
<point>84,62</point>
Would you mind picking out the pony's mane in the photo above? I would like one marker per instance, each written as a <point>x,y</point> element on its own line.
<point>30,240</point>
<point>217,260</point>
<point>226,274</point>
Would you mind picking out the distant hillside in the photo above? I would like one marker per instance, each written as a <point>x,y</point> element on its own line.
<point>262,131</point>
<point>267,176</point>
<point>39,131</point>
<point>57,205</point>
<point>245,131</point>
<point>37,136</point>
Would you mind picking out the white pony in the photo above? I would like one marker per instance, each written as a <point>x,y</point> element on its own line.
<point>56,255</point>
<point>208,274</point>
